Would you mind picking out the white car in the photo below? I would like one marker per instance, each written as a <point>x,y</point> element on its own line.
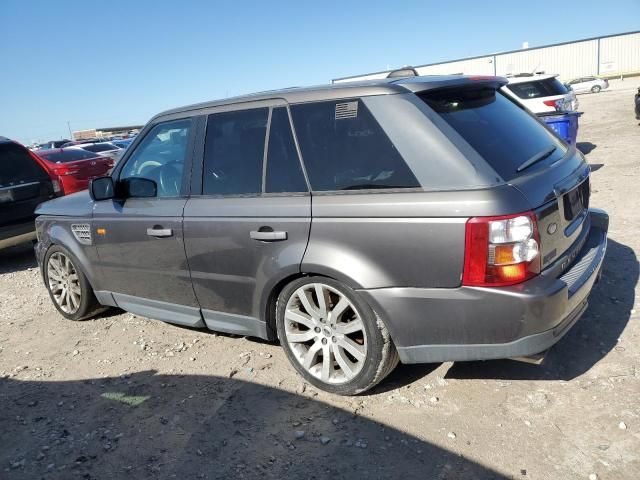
<point>541,93</point>
<point>104,149</point>
<point>588,84</point>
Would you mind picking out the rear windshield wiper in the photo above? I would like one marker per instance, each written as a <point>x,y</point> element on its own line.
<point>536,158</point>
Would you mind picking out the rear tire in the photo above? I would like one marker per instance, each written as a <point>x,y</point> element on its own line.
<point>596,89</point>
<point>68,287</point>
<point>332,337</point>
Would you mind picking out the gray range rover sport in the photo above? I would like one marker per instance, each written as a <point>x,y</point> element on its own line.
<point>422,219</point>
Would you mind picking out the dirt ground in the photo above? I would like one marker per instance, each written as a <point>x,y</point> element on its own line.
<point>126,397</point>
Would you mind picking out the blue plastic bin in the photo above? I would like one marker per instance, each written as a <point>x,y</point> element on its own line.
<point>565,124</point>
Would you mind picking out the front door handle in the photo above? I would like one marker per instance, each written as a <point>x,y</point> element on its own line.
<point>267,235</point>
<point>159,232</point>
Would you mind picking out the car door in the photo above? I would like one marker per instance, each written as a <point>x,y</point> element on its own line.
<point>140,240</point>
<point>249,227</point>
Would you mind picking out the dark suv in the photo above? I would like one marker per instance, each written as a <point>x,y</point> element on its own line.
<point>423,220</point>
<point>24,184</point>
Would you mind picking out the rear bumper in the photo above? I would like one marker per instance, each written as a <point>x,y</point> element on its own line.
<point>473,323</point>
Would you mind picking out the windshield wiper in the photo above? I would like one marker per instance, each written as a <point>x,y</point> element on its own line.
<point>536,158</point>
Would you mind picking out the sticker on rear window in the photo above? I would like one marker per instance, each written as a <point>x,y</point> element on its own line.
<point>346,110</point>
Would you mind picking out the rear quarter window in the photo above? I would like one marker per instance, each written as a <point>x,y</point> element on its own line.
<point>344,148</point>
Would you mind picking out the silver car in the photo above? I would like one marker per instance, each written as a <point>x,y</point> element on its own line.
<point>588,84</point>
<point>421,219</point>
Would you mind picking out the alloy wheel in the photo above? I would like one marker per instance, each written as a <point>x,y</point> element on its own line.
<point>325,332</point>
<point>64,283</point>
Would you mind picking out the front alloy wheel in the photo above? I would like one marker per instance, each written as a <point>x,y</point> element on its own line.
<point>64,283</point>
<point>332,337</point>
<point>68,287</point>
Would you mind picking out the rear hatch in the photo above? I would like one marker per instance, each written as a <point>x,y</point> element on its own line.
<point>552,176</point>
<point>24,184</point>
<point>546,90</point>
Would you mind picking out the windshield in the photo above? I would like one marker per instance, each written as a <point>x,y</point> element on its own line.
<point>504,134</point>
<point>63,156</point>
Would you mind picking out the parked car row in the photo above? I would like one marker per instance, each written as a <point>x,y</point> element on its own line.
<point>30,177</point>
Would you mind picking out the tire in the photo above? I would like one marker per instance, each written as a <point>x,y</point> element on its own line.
<point>61,267</point>
<point>596,89</point>
<point>314,339</point>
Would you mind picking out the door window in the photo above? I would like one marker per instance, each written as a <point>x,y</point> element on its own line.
<point>161,157</point>
<point>284,173</point>
<point>234,152</point>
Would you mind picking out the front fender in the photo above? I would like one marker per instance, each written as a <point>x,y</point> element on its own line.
<point>54,231</point>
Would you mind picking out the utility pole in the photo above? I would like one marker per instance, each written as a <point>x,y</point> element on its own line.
<point>69,126</point>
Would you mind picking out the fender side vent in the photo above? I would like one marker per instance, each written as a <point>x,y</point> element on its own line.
<point>82,232</point>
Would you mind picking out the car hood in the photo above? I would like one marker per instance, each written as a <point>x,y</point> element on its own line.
<point>77,204</point>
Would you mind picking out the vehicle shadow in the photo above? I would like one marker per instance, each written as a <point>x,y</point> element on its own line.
<point>595,334</point>
<point>15,259</point>
<point>152,426</point>
<point>586,147</point>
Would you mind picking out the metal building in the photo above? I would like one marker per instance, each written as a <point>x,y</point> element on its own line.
<point>607,56</point>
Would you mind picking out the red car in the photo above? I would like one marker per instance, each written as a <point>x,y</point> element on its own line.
<point>73,167</point>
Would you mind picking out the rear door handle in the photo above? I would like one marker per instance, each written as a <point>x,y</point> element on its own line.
<point>159,232</point>
<point>268,236</point>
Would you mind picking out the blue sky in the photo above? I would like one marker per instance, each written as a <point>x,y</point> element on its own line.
<point>98,64</point>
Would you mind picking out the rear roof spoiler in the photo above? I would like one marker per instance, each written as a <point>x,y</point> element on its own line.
<point>415,85</point>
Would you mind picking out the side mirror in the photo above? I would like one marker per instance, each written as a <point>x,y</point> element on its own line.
<point>102,188</point>
<point>139,188</point>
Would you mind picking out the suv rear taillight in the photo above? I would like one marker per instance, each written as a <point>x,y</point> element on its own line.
<point>501,250</point>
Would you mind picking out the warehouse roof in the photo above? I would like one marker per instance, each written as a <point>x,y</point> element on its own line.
<point>495,53</point>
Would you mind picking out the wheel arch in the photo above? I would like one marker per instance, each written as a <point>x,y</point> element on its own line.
<point>271,297</point>
<point>58,235</point>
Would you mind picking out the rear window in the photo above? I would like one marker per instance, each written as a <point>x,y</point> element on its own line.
<point>63,156</point>
<point>99,147</point>
<point>538,88</point>
<point>344,148</point>
<point>16,165</point>
<point>502,133</point>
